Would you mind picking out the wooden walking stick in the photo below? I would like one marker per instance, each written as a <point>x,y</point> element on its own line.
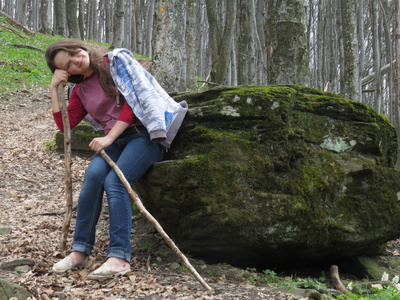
<point>68,177</point>
<point>157,225</point>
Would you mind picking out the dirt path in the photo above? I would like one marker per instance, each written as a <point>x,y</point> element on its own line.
<point>32,191</point>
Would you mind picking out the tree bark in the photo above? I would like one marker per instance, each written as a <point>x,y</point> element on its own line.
<point>72,19</point>
<point>45,21</point>
<point>59,17</point>
<point>350,88</point>
<point>169,59</point>
<point>287,42</point>
<point>221,39</point>
<point>192,43</point>
<point>119,24</point>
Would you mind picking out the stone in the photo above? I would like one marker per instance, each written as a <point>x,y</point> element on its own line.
<point>277,175</point>
<point>11,290</point>
<point>373,267</point>
<point>5,230</point>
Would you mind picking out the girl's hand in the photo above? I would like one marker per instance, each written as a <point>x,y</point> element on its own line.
<point>58,77</point>
<point>98,144</point>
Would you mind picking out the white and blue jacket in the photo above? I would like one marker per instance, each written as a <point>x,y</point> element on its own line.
<point>151,104</point>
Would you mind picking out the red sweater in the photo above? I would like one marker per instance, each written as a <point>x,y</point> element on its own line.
<point>89,98</point>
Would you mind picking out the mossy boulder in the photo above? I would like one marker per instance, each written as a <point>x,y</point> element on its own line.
<point>277,175</point>
<point>81,136</point>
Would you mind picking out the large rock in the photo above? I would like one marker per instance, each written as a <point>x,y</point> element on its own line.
<point>11,290</point>
<point>275,175</point>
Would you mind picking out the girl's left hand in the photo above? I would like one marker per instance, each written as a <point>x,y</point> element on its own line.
<point>98,144</point>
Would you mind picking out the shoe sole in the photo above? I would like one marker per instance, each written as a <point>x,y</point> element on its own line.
<point>107,276</point>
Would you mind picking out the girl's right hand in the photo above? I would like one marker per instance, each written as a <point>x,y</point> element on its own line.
<point>58,77</point>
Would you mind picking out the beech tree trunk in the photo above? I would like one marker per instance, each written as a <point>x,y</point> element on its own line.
<point>45,21</point>
<point>119,23</point>
<point>350,88</point>
<point>221,39</point>
<point>287,42</point>
<point>59,17</point>
<point>169,59</point>
<point>72,19</point>
<point>192,43</point>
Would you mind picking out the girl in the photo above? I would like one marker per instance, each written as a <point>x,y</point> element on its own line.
<point>127,142</point>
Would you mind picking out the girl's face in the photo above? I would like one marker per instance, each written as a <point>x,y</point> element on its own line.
<point>77,63</point>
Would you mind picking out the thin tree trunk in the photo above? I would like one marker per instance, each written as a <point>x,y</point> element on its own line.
<point>119,23</point>
<point>59,16</point>
<point>192,43</point>
<point>221,47</point>
<point>376,56</point>
<point>45,21</point>
<point>72,19</point>
<point>350,45</point>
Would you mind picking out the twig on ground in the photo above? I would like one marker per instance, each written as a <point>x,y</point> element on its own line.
<point>336,280</point>
<point>13,30</point>
<point>55,213</point>
<point>157,225</point>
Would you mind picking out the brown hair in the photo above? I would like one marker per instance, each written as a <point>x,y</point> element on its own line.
<point>97,63</point>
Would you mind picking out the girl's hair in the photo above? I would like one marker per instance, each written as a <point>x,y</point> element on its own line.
<point>97,63</point>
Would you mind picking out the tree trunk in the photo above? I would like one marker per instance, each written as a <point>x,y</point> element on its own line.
<point>81,18</point>
<point>221,41</point>
<point>169,58</point>
<point>287,42</point>
<point>59,16</point>
<point>192,43</point>
<point>350,47</point>
<point>376,55</point>
<point>119,24</point>
<point>72,19</point>
<point>45,21</point>
<point>108,7</point>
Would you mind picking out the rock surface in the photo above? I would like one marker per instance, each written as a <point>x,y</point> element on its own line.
<point>9,290</point>
<point>277,175</point>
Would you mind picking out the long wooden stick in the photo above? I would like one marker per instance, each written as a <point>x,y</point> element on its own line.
<point>68,177</point>
<point>157,225</point>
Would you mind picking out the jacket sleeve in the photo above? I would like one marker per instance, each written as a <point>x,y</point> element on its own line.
<point>147,104</point>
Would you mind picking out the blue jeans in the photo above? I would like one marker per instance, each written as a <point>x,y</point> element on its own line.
<point>134,154</point>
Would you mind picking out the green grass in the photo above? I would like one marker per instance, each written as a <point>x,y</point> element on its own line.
<point>22,68</point>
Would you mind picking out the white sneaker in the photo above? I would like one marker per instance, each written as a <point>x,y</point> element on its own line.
<point>105,271</point>
<point>68,263</point>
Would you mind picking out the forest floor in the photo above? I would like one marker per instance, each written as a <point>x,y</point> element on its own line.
<point>32,193</point>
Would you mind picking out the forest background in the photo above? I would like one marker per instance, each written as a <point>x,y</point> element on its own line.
<point>345,47</point>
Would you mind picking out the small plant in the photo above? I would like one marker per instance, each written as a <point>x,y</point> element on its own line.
<point>50,145</point>
<point>147,246</point>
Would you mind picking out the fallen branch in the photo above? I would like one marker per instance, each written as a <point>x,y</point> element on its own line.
<point>28,47</point>
<point>16,24</point>
<point>55,213</point>
<point>13,30</point>
<point>336,280</point>
<point>68,177</point>
<point>157,225</point>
